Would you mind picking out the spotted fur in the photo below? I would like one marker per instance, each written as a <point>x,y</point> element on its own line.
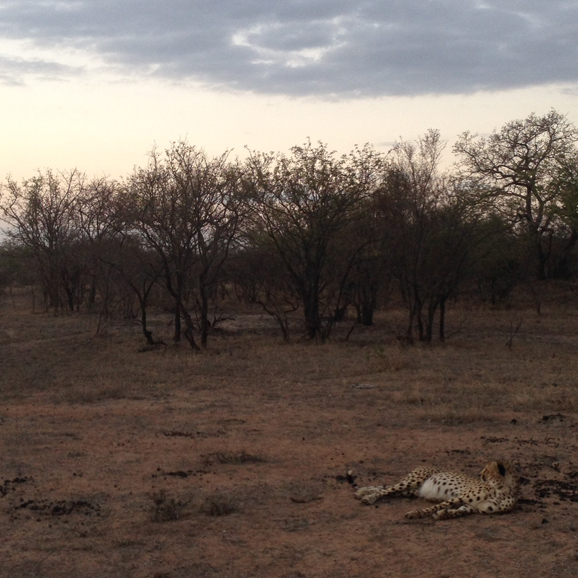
<point>458,495</point>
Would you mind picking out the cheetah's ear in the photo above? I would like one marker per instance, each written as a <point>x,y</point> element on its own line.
<point>501,469</point>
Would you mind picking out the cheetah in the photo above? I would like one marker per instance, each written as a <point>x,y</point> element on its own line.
<point>496,491</point>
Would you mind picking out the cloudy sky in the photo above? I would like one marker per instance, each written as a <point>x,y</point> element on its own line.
<point>95,84</point>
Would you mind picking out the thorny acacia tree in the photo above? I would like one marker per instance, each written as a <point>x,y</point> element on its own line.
<point>140,269</point>
<point>302,203</point>
<point>430,231</point>
<point>96,216</point>
<point>187,208</point>
<point>120,266</point>
<point>517,173</point>
<point>42,215</point>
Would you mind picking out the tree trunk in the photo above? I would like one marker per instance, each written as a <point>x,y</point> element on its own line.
<point>189,329</point>
<point>177,333</point>
<point>536,255</point>
<point>177,293</point>
<point>205,324</point>
<point>311,317</point>
<point>431,313</point>
<point>418,315</point>
<point>443,318</point>
<point>368,299</point>
<point>92,296</point>
<point>143,319</point>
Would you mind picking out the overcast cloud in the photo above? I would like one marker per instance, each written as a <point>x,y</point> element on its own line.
<point>302,47</point>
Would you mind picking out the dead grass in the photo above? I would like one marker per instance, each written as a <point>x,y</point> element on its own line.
<point>166,509</point>
<point>232,462</point>
<point>219,504</point>
<point>454,416</point>
<point>228,457</point>
<point>94,394</point>
<point>391,358</point>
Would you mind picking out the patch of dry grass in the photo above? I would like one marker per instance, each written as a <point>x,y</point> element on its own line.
<point>166,509</point>
<point>219,504</point>
<point>85,394</point>
<point>455,416</point>
<point>170,443</point>
<point>229,457</point>
<point>391,358</point>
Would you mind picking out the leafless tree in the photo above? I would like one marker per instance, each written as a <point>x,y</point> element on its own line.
<point>517,170</point>
<point>187,207</point>
<point>430,231</point>
<point>302,203</point>
<point>42,214</point>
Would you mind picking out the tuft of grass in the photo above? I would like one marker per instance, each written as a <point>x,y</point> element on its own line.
<point>411,396</point>
<point>390,359</point>
<point>456,416</point>
<point>220,504</point>
<point>241,457</point>
<point>166,509</point>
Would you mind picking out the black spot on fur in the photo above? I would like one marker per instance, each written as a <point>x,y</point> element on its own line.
<point>501,469</point>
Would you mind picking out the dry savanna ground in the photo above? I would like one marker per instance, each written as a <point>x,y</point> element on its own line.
<point>118,462</point>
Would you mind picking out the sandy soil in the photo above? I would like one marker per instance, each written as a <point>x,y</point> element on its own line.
<point>232,463</point>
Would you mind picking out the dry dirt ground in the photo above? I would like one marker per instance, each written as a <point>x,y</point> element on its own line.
<point>165,464</point>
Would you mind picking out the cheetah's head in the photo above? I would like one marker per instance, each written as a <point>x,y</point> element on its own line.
<point>502,472</point>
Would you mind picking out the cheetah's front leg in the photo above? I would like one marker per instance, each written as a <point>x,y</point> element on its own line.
<point>463,510</point>
<point>437,511</point>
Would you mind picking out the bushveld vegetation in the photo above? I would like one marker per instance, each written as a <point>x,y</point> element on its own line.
<point>233,463</point>
<point>307,232</point>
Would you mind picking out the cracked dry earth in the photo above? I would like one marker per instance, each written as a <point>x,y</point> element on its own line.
<point>165,464</point>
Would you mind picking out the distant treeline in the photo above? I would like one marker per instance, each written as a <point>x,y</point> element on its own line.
<point>309,232</point>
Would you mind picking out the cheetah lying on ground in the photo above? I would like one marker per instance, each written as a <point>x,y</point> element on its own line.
<point>458,494</point>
